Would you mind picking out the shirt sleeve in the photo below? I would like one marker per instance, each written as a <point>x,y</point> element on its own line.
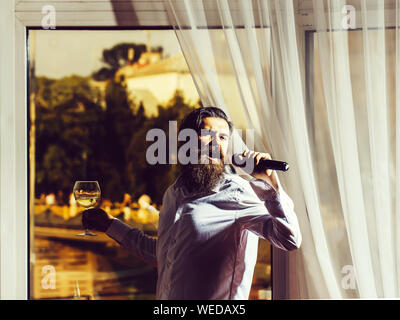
<point>268,214</point>
<point>134,240</point>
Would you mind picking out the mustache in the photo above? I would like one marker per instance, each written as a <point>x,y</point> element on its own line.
<point>213,152</point>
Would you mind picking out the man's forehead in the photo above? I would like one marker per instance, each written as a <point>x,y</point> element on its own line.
<point>215,123</point>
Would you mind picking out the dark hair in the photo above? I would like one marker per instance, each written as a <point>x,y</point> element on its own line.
<point>194,120</point>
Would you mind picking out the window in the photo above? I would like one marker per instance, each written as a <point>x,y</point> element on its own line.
<point>95,95</point>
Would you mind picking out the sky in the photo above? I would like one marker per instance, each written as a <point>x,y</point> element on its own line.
<point>62,53</point>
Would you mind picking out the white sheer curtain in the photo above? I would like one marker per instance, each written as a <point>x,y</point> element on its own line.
<point>343,144</point>
<point>358,80</point>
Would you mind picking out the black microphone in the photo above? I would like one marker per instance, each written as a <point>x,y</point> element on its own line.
<point>262,165</point>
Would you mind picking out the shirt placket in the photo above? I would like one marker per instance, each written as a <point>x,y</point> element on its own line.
<point>170,255</point>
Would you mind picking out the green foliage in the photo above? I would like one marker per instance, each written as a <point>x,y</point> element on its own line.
<point>158,177</point>
<point>54,92</point>
<point>77,139</point>
<point>65,134</point>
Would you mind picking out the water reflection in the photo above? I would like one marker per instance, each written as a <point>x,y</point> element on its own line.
<point>88,268</point>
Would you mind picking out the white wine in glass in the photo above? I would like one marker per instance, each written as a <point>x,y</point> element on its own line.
<point>87,195</point>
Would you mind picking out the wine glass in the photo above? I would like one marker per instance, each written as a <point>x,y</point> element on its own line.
<point>87,194</point>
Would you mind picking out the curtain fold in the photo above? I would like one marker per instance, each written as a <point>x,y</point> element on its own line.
<point>337,86</point>
<point>343,145</point>
<point>377,111</point>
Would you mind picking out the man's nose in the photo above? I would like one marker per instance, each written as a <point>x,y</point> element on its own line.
<point>214,142</point>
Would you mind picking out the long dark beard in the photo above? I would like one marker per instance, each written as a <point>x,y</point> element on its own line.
<point>202,177</point>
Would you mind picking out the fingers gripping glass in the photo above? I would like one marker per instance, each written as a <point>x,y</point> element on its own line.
<point>87,194</point>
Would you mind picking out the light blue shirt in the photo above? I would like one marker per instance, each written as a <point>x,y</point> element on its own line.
<point>207,242</point>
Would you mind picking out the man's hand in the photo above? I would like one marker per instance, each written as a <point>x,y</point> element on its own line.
<point>96,219</point>
<point>267,175</point>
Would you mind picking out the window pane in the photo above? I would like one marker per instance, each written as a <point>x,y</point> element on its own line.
<point>96,94</point>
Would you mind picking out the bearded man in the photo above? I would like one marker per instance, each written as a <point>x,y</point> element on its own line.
<point>210,219</point>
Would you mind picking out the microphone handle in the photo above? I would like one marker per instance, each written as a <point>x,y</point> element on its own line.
<point>265,164</point>
<point>262,165</point>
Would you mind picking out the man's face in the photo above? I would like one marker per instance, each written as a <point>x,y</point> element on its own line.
<point>214,140</point>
